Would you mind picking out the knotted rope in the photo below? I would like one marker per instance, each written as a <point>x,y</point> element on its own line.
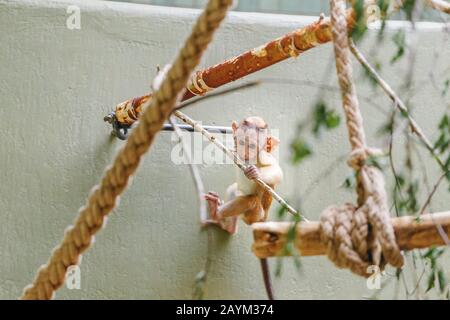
<point>104,197</point>
<point>362,235</point>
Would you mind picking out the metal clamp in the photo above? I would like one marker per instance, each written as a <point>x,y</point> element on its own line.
<point>119,130</point>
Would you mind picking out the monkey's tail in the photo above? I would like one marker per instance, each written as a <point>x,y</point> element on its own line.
<point>266,277</point>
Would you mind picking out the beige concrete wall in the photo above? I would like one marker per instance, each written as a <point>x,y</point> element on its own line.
<point>56,85</point>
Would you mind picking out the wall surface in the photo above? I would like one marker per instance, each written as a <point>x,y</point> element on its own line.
<point>304,7</point>
<point>56,85</point>
<point>307,7</point>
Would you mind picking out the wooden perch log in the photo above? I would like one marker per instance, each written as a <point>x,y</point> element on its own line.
<point>411,233</point>
<point>289,45</point>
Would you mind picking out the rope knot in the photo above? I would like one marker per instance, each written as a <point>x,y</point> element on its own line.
<point>358,157</point>
<point>356,238</point>
<point>346,238</point>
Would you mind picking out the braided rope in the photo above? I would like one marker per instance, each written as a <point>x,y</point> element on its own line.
<point>104,197</point>
<point>357,237</point>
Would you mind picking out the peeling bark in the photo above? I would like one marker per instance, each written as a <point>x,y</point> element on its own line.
<point>202,81</point>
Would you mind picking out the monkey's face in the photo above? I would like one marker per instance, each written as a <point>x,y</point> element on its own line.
<point>249,142</point>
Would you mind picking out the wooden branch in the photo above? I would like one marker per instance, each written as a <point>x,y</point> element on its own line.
<point>289,45</point>
<point>411,233</point>
<point>198,182</point>
<point>398,103</point>
<point>440,5</point>
<point>391,94</point>
<point>241,164</point>
<point>185,127</point>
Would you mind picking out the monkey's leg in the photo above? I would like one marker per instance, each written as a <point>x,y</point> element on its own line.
<point>238,205</point>
<point>229,212</point>
<point>228,224</point>
<point>214,202</point>
<point>226,215</point>
<point>255,214</point>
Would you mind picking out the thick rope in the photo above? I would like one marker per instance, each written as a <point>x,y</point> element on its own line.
<point>357,236</point>
<point>104,197</point>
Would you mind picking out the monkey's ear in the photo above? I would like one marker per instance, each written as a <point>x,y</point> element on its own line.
<point>272,143</point>
<point>234,126</point>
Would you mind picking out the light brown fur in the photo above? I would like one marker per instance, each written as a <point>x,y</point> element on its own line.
<point>245,197</point>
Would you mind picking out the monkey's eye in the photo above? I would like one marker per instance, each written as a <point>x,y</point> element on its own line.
<point>241,142</point>
<point>252,146</point>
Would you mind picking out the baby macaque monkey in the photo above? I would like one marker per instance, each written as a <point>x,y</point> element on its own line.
<point>246,198</point>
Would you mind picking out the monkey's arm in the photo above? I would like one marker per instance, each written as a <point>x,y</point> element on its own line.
<point>272,175</point>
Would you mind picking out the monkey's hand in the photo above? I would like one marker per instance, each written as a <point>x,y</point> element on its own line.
<point>252,172</point>
<point>214,202</point>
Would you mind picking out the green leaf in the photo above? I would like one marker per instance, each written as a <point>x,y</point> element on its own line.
<point>447,161</point>
<point>401,180</point>
<point>408,8</point>
<point>431,280</point>
<point>324,117</point>
<point>433,254</point>
<point>359,28</point>
<point>376,162</point>
<point>412,204</point>
<point>398,273</point>
<point>332,119</point>
<point>400,41</point>
<point>442,280</point>
<point>386,128</point>
<point>439,252</point>
<point>300,150</point>
<point>444,123</point>
<point>384,6</point>
<point>279,267</point>
<point>349,182</point>
<point>297,262</point>
<point>291,237</point>
<point>439,142</point>
<point>281,212</point>
<point>446,86</point>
